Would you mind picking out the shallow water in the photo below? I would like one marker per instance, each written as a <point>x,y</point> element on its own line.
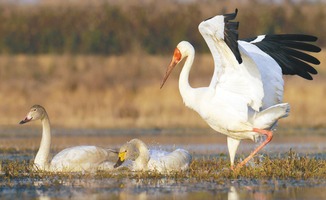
<point>163,189</point>
<point>21,145</point>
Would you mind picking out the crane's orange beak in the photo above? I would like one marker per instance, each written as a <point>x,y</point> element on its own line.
<point>175,60</point>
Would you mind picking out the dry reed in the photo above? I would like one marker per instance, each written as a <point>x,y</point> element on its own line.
<point>123,91</point>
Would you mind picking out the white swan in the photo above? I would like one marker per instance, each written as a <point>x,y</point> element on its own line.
<point>143,159</point>
<point>73,159</point>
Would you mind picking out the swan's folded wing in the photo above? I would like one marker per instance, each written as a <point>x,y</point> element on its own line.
<point>79,158</point>
<point>106,165</point>
<point>156,154</point>
<point>178,160</point>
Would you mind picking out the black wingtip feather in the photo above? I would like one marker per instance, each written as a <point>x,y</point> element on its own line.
<point>232,25</point>
<point>231,34</point>
<point>296,37</point>
<point>302,56</point>
<point>230,16</point>
<point>290,51</point>
<point>302,46</point>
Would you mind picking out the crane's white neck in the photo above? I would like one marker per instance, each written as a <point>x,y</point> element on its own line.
<point>41,161</point>
<point>186,91</point>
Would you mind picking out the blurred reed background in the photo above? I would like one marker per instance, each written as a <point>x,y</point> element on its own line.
<point>99,64</point>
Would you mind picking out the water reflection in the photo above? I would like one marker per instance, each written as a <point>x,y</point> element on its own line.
<point>233,194</point>
<point>143,189</point>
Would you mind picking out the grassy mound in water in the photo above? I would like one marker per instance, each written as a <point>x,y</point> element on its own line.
<point>289,166</point>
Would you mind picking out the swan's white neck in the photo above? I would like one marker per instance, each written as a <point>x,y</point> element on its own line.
<point>186,91</point>
<point>42,157</point>
<point>143,158</point>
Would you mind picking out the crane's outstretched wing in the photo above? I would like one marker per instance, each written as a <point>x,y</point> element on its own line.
<point>272,55</point>
<point>270,72</point>
<point>288,51</point>
<point>231,34</point>
<point>275,55</point>
<point>236,75</point>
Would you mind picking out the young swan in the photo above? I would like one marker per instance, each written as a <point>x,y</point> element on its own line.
<point>73,159</point>
<point>145,160</point>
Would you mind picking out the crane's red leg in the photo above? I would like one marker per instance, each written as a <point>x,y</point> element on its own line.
<point>269,135</point>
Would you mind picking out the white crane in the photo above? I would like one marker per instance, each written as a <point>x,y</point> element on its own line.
<point>244,98</point>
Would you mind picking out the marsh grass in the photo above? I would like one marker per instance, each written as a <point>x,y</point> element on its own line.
<point>291,166</point>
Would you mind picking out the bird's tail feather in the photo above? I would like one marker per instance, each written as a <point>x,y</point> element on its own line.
<point>267,118</point>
